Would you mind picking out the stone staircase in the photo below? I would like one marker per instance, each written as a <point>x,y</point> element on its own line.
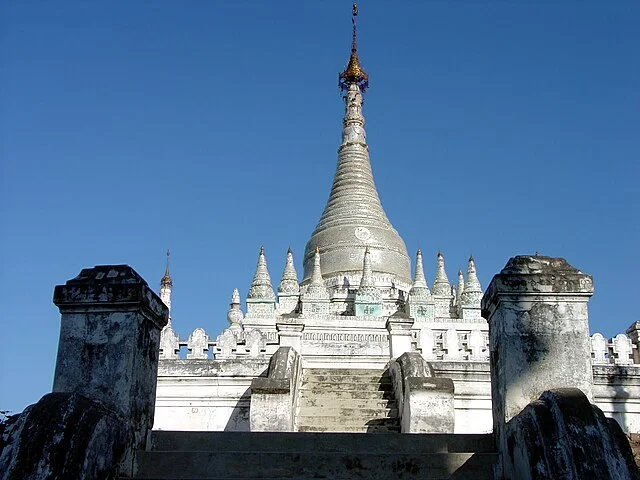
<point>347,400</point>
<point>271,455</point>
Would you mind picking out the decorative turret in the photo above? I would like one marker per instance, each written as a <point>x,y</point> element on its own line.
<point>261,299</point>
<point>165,287</point>
<point>261,286</point>
<point>419,280</point>
<point>289,282</point>
<point>289,289</point>
<point>420,304</point>
<point>235,315</point>
<point>441,291</point>
<point>368,299</point>
<point>367,272</point>
<point>441,286</point>
<point>353,217</point>
<point>315,300</point>
<point>472,289</point>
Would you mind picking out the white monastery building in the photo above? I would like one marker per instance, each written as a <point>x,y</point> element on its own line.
<point>358,305</point>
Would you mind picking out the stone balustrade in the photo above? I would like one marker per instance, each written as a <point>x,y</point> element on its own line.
<point>229,344</point>
<point>619,350</point>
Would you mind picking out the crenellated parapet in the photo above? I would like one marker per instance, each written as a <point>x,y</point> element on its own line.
<point>619,350</point>
<point>230,344</point>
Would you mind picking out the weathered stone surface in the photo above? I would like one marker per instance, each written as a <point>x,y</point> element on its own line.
<point>539,332</point>
<point>561,435</point>
<point>273,399</point>
<point>346,400</point>
<point>425,403</point>
<point>64,436</point>
<point>193,455</point>
<point>109,342</point>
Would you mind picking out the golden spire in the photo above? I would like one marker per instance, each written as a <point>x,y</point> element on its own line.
<point>354,72</point>
<point>166,280</point>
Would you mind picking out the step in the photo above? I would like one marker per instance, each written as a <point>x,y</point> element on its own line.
<point>353,387</point>
<point>347,394</point>
<point>331,378</point>
<point>362,430</point>
<point>234,465</point>
<point>332,402</point>
<point>348,413</point>
<point>336,424</point>
<point>345,371</point>
<point>162,440</point>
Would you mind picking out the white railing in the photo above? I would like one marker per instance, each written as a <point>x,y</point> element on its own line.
<point>618,350</point>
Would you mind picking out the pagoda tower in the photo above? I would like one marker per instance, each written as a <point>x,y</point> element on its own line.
<point>353,220</point>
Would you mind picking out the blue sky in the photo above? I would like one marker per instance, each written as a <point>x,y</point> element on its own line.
<point>211,128</point>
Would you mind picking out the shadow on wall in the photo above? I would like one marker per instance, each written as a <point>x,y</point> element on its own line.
<point>620,395</point>
<point>239,420</point>
<point>536,353</point>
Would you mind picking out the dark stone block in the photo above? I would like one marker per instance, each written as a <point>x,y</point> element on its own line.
<point>562,435</point>
<point>64,436</point>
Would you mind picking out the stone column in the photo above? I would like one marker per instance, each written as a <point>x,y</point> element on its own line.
<point>399,327</point>
<point>538,332</point>
<point>109,342</point>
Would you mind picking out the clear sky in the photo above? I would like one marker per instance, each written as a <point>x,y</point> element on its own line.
<point>211,128</point>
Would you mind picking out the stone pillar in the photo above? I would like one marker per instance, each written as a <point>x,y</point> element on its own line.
<point>399,327</point>
<point>290,332</point>
<point>538,332</point>
<point>109,342</point>
<point>634,334</point>
<point>274,397</point>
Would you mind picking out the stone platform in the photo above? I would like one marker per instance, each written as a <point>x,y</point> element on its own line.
<point>265,455</point>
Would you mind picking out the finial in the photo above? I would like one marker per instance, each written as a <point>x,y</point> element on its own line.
<point>166,281</point>
<point>235,297</point>
<point>353,74</point>
<point>261,249</point>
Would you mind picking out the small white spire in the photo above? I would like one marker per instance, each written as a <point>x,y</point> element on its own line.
<point>419,280</point>
<point>317,288</point>
<point>441,284</point>
<point>235,297</point>
<point>472,283</point>
<point>367,270</point>
<point>165,288</point>
<point>460,289</point>
<point>367,291</point>
<point>472,294</point>
<point>261,285</point>
<point>235,315</point>
<point>289,282</point>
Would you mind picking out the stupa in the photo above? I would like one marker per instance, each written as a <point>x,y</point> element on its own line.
<point>356,309</point>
